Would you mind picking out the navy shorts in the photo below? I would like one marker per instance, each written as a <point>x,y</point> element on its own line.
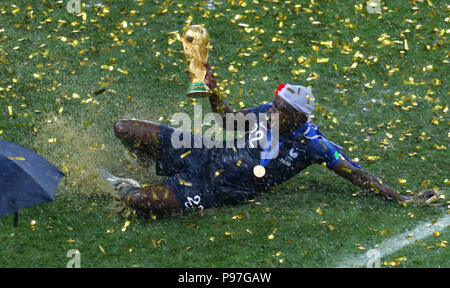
<point>188,171</point>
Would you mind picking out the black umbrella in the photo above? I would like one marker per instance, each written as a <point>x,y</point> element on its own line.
<point>26,179</point>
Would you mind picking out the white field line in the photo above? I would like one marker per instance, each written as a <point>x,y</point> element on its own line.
<point>392,245</point>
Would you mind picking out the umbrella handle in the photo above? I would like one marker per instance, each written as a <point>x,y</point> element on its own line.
<point>16,218</point>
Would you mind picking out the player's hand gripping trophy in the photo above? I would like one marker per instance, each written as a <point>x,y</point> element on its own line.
<point>195,45</point>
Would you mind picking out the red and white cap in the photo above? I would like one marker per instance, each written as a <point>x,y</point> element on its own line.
<point>299,97</point>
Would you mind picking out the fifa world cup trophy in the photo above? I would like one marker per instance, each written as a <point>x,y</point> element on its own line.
<point>195,46</point>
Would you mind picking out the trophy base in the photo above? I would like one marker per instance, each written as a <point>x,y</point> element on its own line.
<point>198,90</point>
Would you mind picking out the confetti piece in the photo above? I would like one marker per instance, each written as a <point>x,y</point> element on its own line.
<point>347,170</point>
<point>217,173</point>
<point>395,262</point>
<point>17,158</point>
<point>371,158</point>
<point>185,154</point>
<point>183,182</point>
<point>230,233</point>
<point>238,217</point>
<point>101,249</point>
<point>232,69</point>
<point>127,223</point>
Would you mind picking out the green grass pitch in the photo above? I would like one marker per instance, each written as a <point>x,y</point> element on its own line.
<point>379,81</point>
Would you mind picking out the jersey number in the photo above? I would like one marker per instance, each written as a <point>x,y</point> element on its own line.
<point>193,202</point>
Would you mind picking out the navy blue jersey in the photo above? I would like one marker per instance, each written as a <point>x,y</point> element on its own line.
<point>211,177</point>
<point>234,166</point>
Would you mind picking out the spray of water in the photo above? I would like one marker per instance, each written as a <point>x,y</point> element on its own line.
<point>76,151</point>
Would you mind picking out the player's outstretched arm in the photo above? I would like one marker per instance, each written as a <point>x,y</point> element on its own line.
<point>218,106</point>
<point>367,181</point>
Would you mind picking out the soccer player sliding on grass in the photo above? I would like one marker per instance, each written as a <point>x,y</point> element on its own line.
<point>202,178</point>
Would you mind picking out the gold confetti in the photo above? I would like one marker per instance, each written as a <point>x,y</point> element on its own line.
<point>17,158</point>
<point>217,173</point>
<point>101,249</point>
<point>238,217</point>
<point>230,233</point>
<point>395,262</point>
<point>127,223</point>
<point>183,182</point>
<point>322,60</point>
<point>371,158</point>
<point>347,170</point>
<point>185,154</point>
<point>232,69</point>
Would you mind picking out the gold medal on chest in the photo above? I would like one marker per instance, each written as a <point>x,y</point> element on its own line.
<point>259,171</point>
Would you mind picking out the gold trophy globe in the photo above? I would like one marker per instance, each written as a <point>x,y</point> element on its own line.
<point>195,46</point>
